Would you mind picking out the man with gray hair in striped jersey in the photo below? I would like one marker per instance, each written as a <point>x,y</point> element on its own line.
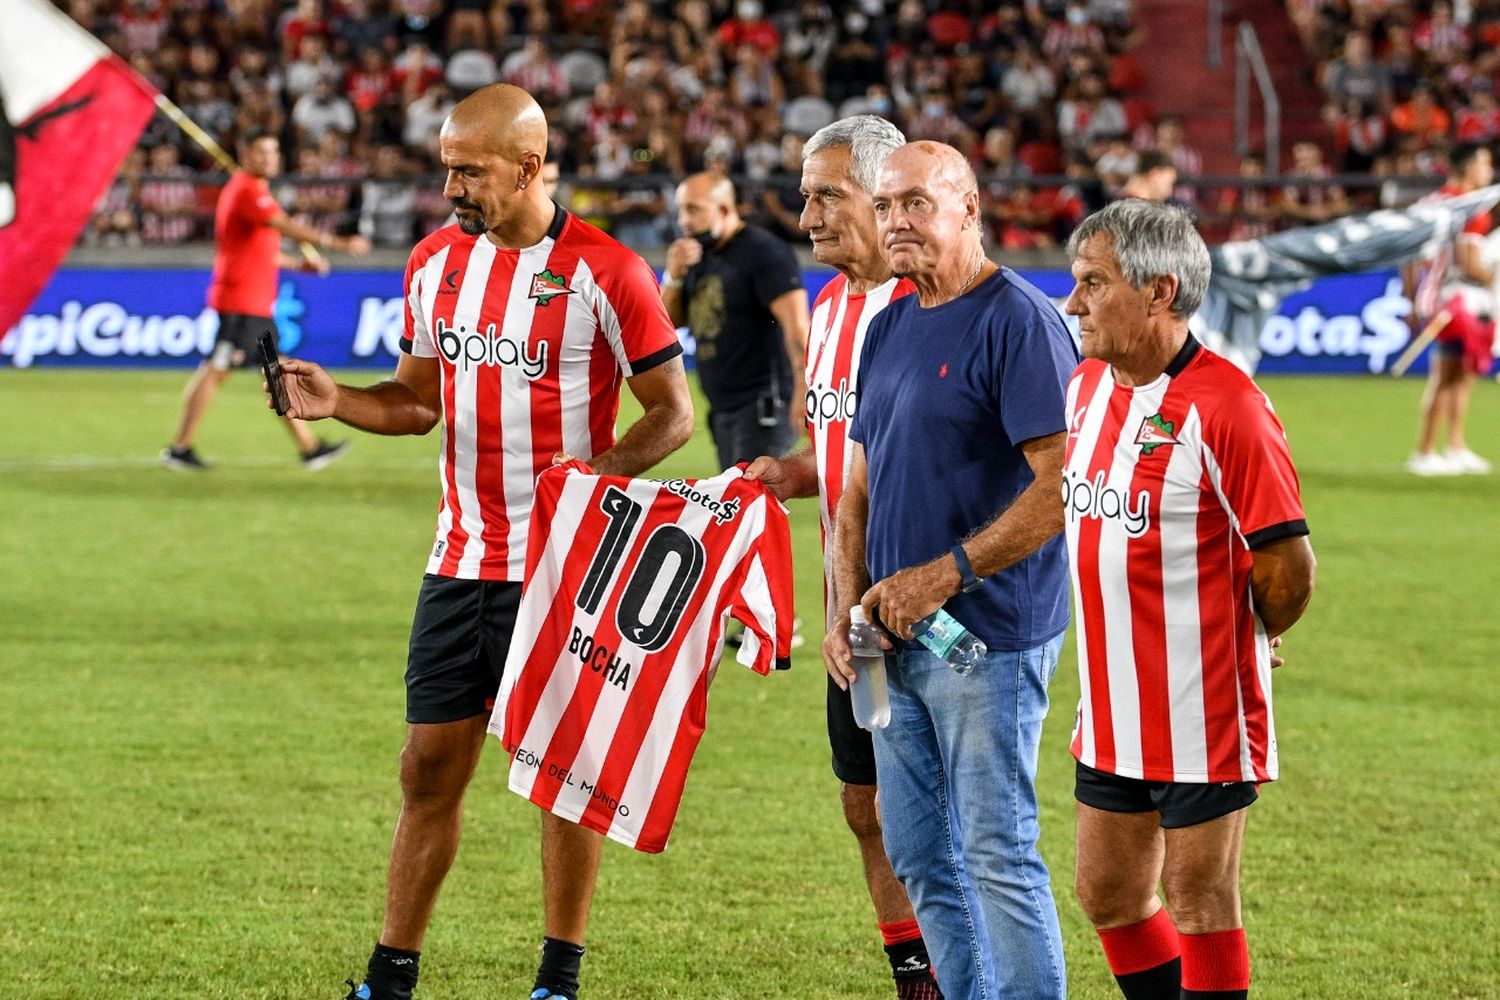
<point>839,164</point>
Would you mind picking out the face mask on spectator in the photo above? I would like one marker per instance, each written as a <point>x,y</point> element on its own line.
<point>933,109</point>
<point>1077,15</point>
<point>855,23</point>
<point>749,10</point>
<point>880,105</point>
<point>707,240</point>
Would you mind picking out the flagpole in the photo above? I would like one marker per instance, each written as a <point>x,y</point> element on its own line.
<point>1429,333</point>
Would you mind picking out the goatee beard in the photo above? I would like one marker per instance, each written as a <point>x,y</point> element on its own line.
<point>474,225</point>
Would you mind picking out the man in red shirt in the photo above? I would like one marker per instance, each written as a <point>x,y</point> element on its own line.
<point>249,225</point>
<point>522,324</point>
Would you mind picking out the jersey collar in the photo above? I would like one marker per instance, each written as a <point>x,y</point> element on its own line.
<point>559,219</point>
<point>1189,351</point>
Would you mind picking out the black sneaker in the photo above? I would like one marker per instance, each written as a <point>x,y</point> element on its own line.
<point>326,453</point>
<point>183,458</point>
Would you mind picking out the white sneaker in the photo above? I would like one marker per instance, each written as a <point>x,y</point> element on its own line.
<point>1430,463</point>
<point>1465,461</point>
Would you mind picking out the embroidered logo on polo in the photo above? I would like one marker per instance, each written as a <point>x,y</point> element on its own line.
<point>546,286</point>
<point>1156,431</point>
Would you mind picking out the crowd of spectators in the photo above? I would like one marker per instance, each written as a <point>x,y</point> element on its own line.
<point>1403,83</point>
<point>638,93</point>
<point>1044,95</point>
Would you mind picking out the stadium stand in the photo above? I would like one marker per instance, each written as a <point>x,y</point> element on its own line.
<point>1050,98</point>
<point>639,94</point>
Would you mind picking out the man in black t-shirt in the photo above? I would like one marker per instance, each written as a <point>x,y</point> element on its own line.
<point>738,290</point>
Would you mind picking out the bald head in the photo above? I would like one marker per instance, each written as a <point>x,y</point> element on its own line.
<point>709,187</point>
<point>927,214</point>
<point>500,119</point>
<point>938,163</point>
<point>707,206</point>
<point>493,146</point>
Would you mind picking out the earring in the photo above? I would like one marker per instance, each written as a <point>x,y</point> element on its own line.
<point>521,186</point>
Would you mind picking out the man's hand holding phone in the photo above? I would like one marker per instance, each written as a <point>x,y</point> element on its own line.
<point>302,389</point>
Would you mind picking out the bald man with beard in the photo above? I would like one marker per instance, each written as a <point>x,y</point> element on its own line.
<point>952,502</point>
<point>519,308</point>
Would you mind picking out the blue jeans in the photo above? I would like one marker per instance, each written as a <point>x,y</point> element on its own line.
<point>957,772</point>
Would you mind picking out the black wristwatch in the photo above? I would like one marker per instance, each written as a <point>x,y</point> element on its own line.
<point>967,581</point>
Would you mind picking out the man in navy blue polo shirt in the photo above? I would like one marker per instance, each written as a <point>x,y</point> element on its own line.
<point>952,502</point>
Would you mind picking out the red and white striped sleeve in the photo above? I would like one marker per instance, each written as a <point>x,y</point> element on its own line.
<point>764,601</point>
<point>1250,464</point>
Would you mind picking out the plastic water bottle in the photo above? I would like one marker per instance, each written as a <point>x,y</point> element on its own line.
<point>947,637</point>
<point>868,695</point>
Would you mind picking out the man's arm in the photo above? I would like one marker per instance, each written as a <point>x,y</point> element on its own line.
<point>792,316</point>
<point>850,573</point>
<point>1281,582</point>
<point>912,594</point>
<point>410,402</point>
<point>292,229</point>
<point>1468,254</point>
<point>786,478</point>
<point>664,427</point>
<point>681,256</point>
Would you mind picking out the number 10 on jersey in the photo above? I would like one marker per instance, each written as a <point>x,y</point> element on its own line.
<point>667,543</point>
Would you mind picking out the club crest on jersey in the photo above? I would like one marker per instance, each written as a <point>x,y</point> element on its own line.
<point>546,286</point>
<point>1155,432</point>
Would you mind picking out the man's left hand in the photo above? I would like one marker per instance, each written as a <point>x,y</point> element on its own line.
<point>906,597</point>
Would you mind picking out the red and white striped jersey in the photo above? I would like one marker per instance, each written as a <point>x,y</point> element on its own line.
<point>1167,488</point>
<point>1441,279</point>
<point>834,344</point>
<point>629,584</point>
<point>533,345</point>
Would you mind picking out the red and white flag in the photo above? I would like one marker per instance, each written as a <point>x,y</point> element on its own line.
<point>69,112</point>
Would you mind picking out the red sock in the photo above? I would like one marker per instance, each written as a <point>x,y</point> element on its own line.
<point>1141,946</point>
<point>901,930</point>
<point>1216,962</point>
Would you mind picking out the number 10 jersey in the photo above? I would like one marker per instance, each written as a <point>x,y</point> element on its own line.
<point>629,584</point>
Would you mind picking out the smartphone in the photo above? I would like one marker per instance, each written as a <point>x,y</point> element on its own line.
<point>770,411</point>
<point>270,367</point>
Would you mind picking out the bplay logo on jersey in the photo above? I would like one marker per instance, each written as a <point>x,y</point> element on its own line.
<point>467,348</point>
<point>1083,498</point>
<point>826,404</point>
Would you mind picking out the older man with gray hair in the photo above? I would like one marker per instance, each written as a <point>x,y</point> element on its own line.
<point>1189,554</point>
<point>839,165</point>
<point>951,502</point>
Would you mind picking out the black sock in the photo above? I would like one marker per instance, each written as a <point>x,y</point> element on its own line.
<point>392,973</point>
<point>558,972</point>
<point>1161,982</point>
<point>1215,994</point>
<point>909,959</point>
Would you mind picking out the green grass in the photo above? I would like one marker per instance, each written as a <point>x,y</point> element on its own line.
<point>202,705</point>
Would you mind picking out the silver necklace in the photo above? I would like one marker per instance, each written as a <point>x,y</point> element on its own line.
<point>977,268</point>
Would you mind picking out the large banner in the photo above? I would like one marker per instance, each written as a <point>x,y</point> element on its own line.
<point>1344,324</point>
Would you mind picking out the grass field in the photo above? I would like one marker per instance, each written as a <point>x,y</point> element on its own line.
<point>202,709</point>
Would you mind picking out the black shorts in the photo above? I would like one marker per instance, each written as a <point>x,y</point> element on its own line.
<point>459,638</point>
<point>235,345</point>
<point>853,749</point>
<point>1180,803</point>
<point>1448,348</point>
